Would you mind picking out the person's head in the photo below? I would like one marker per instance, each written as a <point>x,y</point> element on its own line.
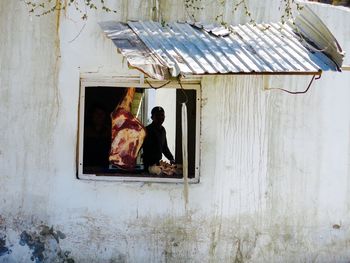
<point>158,115</point>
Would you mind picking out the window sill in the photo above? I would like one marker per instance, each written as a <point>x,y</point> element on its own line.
<point>148,179</point>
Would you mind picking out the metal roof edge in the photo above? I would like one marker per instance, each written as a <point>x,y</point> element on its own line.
<point>164,52</point>
<point>310,26</point>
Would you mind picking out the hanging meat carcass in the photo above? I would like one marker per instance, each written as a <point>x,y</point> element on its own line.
<point>127,134</point>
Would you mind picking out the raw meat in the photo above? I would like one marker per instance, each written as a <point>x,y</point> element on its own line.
<point>165,168</point>
<point>127,134</point>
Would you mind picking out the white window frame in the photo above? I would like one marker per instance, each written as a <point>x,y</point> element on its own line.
<point>93,80</point>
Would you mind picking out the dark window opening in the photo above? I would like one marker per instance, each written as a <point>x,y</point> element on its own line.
<point>100,102</point>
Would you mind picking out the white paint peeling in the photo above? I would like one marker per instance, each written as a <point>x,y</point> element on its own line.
<point>274,168</point>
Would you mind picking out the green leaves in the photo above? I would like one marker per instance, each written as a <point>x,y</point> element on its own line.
<point>45,7</point>
<point>193,6</point>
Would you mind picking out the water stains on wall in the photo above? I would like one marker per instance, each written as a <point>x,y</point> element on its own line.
<point>4,248</point>
<point>34,244</point>
<point>45,245</point>
<point>23,240</point>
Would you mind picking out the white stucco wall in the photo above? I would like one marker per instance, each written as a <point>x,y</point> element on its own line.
<point>274,173</point>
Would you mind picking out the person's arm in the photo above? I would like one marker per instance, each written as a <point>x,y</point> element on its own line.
<point>167,152</point>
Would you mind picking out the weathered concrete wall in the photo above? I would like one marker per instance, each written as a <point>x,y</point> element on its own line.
<point>274,167</point>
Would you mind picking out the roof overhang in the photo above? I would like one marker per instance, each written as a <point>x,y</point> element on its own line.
<point>305,46</point>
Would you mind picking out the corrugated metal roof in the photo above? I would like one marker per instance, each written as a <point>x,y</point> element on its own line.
<point>196,49</point>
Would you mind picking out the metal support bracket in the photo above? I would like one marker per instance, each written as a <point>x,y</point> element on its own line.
<point>161,86</point>
<point>314,77</point>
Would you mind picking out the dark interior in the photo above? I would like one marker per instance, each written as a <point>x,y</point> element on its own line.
<point>99,103</point>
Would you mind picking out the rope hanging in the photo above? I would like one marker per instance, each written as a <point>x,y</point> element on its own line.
<point>184,132</point>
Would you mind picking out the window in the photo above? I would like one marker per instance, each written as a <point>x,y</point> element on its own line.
<point>100,97</point>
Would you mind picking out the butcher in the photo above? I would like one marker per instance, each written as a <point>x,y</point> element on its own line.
<point>155,143</point>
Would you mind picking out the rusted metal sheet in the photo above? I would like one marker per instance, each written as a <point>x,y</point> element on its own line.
<point>198,49</point>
